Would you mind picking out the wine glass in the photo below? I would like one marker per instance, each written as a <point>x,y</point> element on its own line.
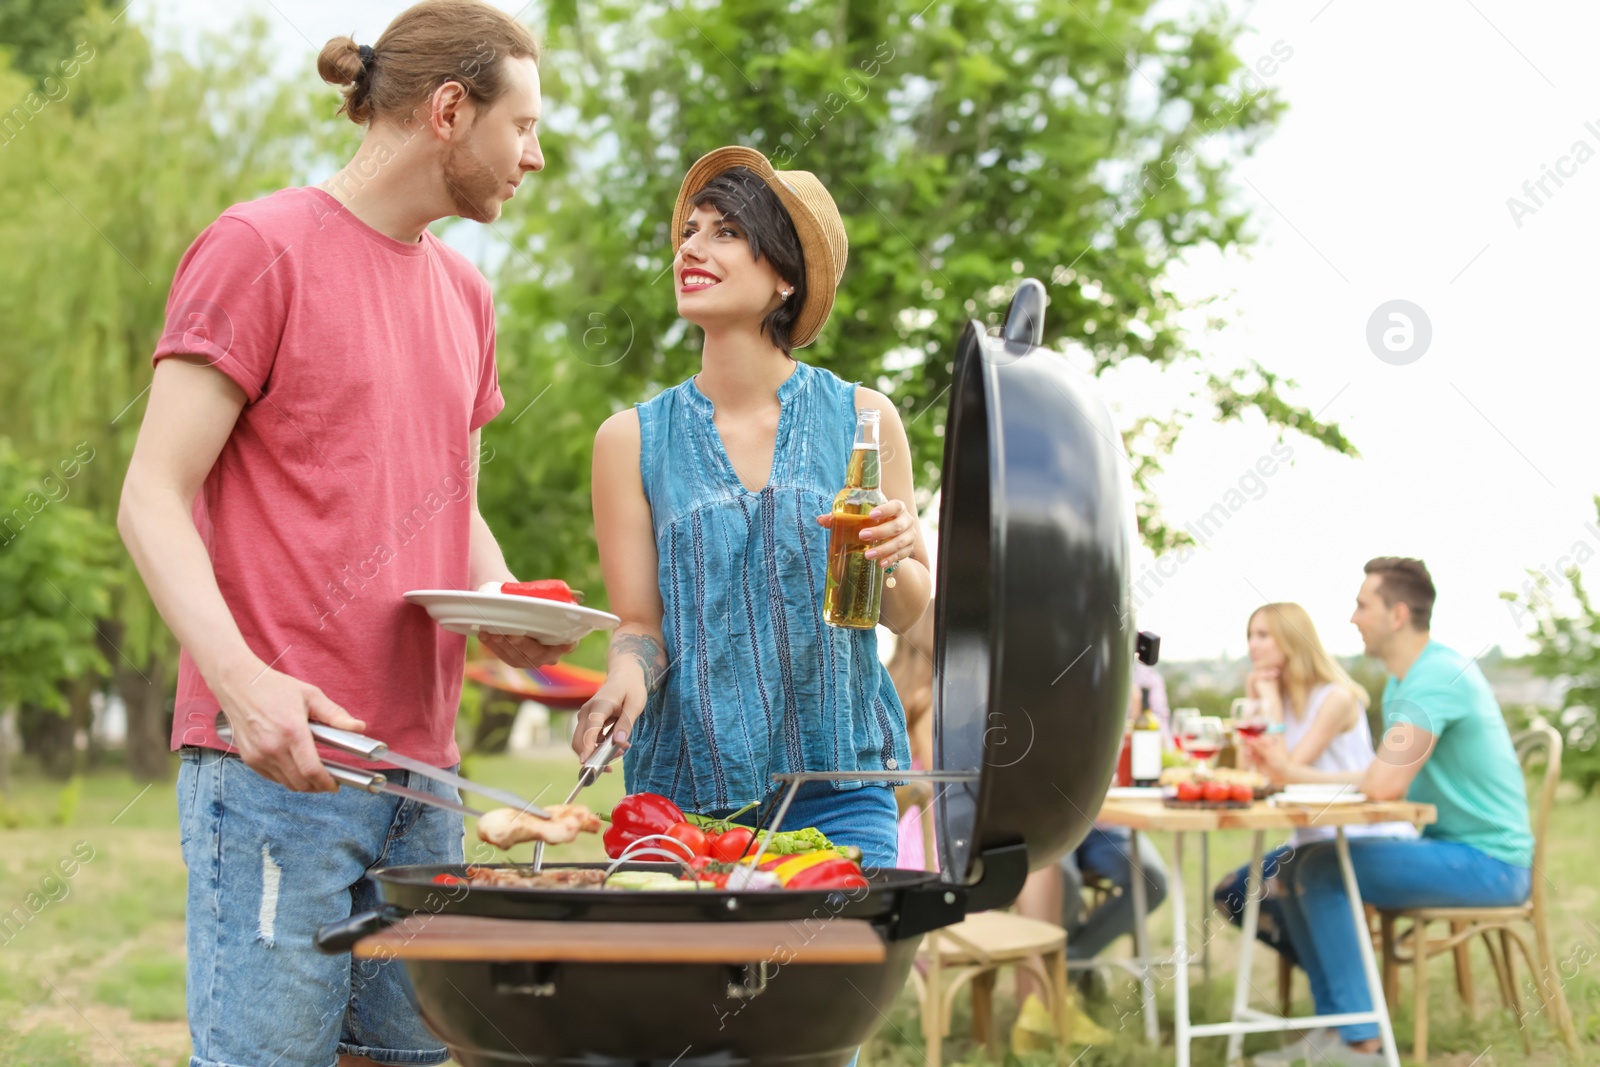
<point>1202,740</point>
<point>1249,718</point>
<point>1180,720</point>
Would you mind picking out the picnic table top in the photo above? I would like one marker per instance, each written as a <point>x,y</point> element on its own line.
<point>1153,814</point>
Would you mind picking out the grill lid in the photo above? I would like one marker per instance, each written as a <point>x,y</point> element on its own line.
<point>1034,634</point>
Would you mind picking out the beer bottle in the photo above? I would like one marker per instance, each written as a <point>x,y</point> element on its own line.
<point>853,596</point>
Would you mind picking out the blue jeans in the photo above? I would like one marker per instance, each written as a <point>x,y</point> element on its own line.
<point>1229,897</point>
<point>866,818</point>
<point>1105,852</point>
<point>1391,873</point>
<point>267,866</point>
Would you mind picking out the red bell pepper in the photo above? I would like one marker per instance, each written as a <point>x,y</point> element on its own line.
<point>639,815</point>
<point>544,589</point>
<point>830,874</point>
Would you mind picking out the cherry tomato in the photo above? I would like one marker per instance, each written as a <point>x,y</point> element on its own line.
<point>1189,792</point>
<point>449,879</point>
<point>1242,793</point>
<point>692,836</point>
<point>729,846</point>
<point>1217,792</point>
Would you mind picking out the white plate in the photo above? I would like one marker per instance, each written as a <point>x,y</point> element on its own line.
<point>1134,792</point>
<point>551,621</point>
<point>1318,795</point>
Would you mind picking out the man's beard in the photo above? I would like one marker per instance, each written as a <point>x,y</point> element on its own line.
<point>472,185</point>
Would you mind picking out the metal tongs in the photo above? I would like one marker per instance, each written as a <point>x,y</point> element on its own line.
<point>587,774</point>
<point>370,748</point>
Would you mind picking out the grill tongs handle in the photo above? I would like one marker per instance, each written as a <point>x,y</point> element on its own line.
<point>587,774</point>
<point>370,748</point>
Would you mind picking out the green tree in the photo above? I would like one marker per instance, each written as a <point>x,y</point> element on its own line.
<point>55,580</point>
<point>968,144</point>
<point>1566,645</point>
<point>38,33</point>
<point>100,194</point>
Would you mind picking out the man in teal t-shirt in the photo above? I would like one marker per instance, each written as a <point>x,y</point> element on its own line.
<point>1446,744</point>
<point>1472,776</point>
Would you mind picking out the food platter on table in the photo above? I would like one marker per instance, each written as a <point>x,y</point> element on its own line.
<point>1178,782</point>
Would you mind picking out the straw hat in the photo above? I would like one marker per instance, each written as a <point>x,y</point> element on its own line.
<point>816,221</point>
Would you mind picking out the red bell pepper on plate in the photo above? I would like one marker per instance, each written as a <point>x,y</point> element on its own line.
<point>544,589</point>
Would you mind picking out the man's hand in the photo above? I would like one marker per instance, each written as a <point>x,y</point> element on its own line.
<point>524,652</point>
<point>269,714</point>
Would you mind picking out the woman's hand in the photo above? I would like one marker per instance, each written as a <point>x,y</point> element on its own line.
<point>617,703</point>
<point>892,538</point>
<point>1268,755</point>
<point>1262,686</point>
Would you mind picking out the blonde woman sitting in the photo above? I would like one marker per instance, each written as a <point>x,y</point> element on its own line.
<point>1323,715</point>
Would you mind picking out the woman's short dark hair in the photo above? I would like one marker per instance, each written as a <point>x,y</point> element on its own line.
<point>742,196</point>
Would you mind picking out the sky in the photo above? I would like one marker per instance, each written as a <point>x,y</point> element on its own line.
<point>1396,175</point>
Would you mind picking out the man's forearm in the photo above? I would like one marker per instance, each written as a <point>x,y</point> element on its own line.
<point>485,561</point>
<point>157,526</point>
<point>1300,772</point>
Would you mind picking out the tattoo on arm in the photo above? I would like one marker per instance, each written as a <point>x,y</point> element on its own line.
<point>647,650</point>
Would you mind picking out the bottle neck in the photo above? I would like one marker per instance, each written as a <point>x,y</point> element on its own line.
<point>864,472</point>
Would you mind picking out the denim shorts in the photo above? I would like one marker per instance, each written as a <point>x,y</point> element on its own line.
<point>866,818</point>
<point>267,867</point>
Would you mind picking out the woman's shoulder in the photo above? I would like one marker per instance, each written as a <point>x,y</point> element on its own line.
<point>1335,700</point>
<point>619,429</point>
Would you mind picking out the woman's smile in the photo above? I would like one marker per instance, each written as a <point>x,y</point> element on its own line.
<point>694,279</point>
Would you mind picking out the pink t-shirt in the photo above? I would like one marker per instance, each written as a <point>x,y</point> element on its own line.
<point>367,363</point>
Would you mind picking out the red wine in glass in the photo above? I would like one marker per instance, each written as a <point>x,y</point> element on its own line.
<point>1202,751</point>
<point>1251,729</point>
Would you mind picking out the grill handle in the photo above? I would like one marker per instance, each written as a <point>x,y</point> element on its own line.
<point>339,937</point>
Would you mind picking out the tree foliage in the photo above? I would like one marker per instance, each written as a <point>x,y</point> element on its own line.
<point>968,144</point>
<point>102,188</point>
<point>1566,645</point>
<point>55,569</point>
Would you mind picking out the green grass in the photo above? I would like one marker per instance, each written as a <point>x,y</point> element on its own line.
<point>149,985</point>
<point>95,977</point>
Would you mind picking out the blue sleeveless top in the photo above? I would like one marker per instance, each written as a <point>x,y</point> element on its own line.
<point>757,684</point>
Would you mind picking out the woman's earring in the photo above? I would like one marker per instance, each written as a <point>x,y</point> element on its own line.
<point>787,293</point>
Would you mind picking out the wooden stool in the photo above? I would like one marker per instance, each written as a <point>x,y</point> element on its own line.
<point>974,951</point>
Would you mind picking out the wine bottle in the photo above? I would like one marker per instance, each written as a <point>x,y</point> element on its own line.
<point>1145,747</point>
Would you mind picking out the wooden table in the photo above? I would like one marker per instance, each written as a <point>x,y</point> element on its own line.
<point>1151,814</point>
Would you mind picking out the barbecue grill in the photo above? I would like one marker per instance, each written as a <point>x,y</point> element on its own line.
<point>1033,653</point>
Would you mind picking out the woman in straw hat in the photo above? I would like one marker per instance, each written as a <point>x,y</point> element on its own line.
<point>711,505</point>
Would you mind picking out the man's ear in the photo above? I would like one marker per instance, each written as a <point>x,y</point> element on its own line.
<point>449,110</point>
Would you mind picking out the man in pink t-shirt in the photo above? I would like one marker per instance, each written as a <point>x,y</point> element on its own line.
<point>310,451</point>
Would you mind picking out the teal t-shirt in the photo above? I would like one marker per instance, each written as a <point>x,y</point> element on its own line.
<point>1472,777</point>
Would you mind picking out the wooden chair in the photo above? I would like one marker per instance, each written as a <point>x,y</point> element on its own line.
<point>974,951</point>
<point>1414,946</point>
